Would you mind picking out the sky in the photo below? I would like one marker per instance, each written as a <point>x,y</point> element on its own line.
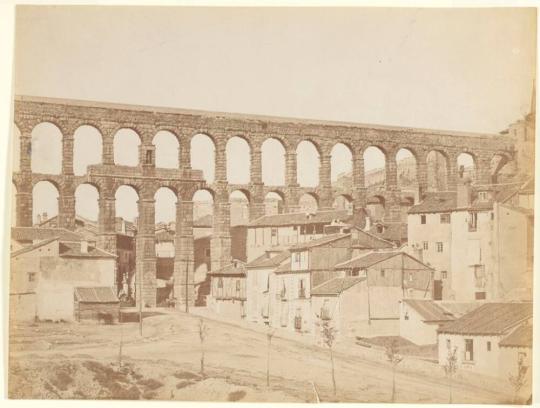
<point>457,69</point>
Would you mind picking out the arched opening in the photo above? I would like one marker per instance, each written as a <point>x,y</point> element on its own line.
<point>406,171</point>
<point>273,203</point>
<point>239,208</point>
<point>203,153</point>
<point>203,209</point>
<point>165,217</point>
<point>374,167</point>
<point>501,169</point>
<point>238,161</point>
<point>343,202</point>
<point>87,148</point>
<point>126,204</point>
<point>167,150</point>
<point>341,165</point>
<point>16,148</point>
<point>307,164</point>
<point>437,171</point>
<point>273,162</point>
<point>375,208</point>
<point>126,144</point>
<point>308,203</point>
<point>44,202</point>
<point>466,167</point>
<point>46,149</point>
<point>87,202</point>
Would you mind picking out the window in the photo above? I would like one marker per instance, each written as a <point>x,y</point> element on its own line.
<point>31,276</point>
<point>482,195</point>
<point>382,273</point>
<point>297,257</point>
<point>445,218</point>
<point>238,285</point>
<point>274,232</point>
<point>448,344</point>
<point>380,229</point>
<point>444,275</point>
<point>440,247</point>
<point>469,351</point>
<point>302,290</point>
<point>319,229</point>
<point>480,295</point>
<point>473,221</point>
<point>220,283</point>
<point>425,245</point>
<point>492,216</point>
<point>406,317</point>
<point>488,344</point>
<point>355,272</point>
<point>410,277</point>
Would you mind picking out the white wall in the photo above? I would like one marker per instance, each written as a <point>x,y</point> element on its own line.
<point>414,329</point>
<point>257,300</point>
<point>485,362</point>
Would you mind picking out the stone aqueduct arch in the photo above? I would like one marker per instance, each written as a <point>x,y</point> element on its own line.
<point>69,115</point>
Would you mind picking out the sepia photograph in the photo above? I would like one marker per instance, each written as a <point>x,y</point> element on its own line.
<point>271,204</point>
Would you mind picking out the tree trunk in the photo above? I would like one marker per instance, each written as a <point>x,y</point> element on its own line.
<point>202,363</point>
<point>450,388</point>
<point>333,375</point>
<point>393,384</point>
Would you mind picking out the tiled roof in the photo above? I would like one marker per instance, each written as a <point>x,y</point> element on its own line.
<point>269,261</point>
<point>393,231</point>
<point>300,218</point>
<point>367,240</point>
<point>37,233</point>
<point>458,309</point>
<point>429,310</point>
<point>102,294</point>
<point>367,260</point>
<point>335,286</point>
<point>34,246</point>
<point>73,249</point>
<point>327,239</point>
<point>238,269</point>
<point>433,202</point>
<point>490,318</point>
<point>521,337</point>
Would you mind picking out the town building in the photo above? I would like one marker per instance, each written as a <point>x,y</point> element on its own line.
<point>96,303</point>
<point>44,275</point>
<point>279,231</point>
<point>477,337</point>
<point>228,291</point>
<point>363,298</point>
<point>478,239</point>
<point>258,284</point>
<point>420,320</point>
<point>310,263</point>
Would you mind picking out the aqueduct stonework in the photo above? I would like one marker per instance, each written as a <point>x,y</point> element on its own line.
<point>69,115</point>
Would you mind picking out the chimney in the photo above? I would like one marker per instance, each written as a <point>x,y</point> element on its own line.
<point>84,246</point>
<point>464,194</point>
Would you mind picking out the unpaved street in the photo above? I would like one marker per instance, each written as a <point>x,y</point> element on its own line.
<point>71,360</point>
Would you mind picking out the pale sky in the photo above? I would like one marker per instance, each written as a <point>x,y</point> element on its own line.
<point>468,69</point>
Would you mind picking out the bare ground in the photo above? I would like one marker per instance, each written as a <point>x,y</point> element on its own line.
<point>78,361</point>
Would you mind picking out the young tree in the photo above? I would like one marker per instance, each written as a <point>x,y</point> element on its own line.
<point>394,358</point>
<point>329,336</point>
<point>450,368</point>
<point>519,380</point>
<point>269,336</point>
<point>203,333</point>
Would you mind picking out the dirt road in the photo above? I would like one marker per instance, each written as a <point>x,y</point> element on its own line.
<point>70,360</point>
